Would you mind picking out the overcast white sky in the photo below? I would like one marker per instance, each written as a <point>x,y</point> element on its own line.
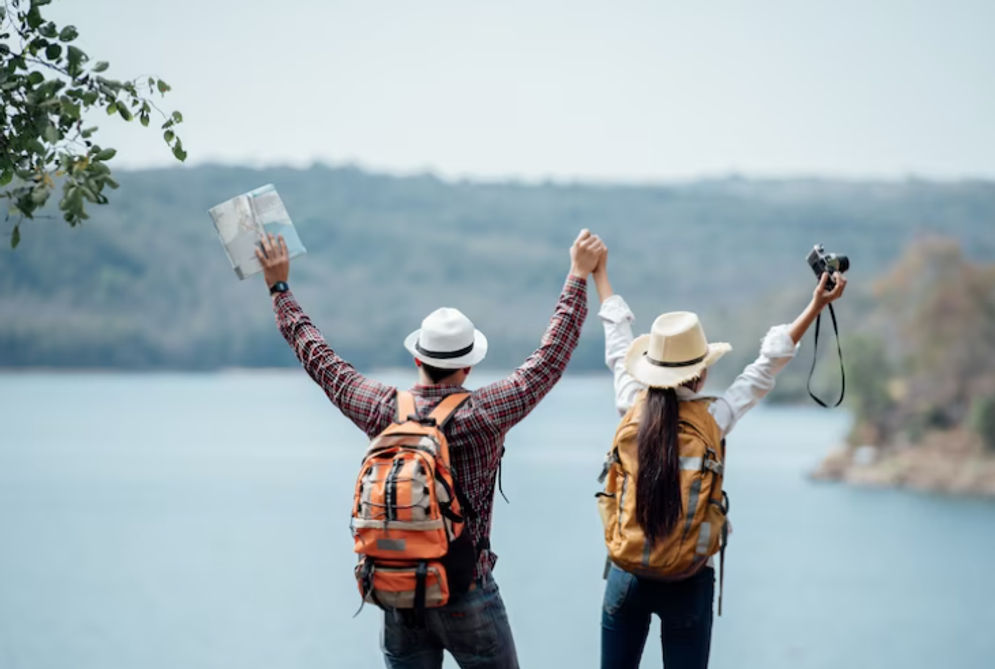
<point>534,88</point>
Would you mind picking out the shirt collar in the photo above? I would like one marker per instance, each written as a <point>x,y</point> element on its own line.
<point>684,393</point>
<point>436,390</point>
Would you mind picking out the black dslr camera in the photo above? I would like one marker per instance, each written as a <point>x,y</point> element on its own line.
<point>820,262</point>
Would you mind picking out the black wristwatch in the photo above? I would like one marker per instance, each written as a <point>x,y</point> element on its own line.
<point>279,287</point>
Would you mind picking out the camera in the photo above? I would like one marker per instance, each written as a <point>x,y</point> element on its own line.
<point>820,262</point>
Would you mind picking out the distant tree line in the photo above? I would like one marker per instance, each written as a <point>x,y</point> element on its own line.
<point>145,285</point>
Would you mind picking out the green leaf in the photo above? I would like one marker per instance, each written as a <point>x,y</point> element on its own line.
<point>177,117</point>
<point>144,118</point>
<point>6,176</point>
<point>88,132</point>
<point>162,86</point>
<point>39,195</point>
<point>111,108</point>
<point>36,44</point>
<point>52,134</point>
<point>123,111</point>
<point>178,151</point>
<point>75,57</point>
<point>70,109</point>
<point>53,51</point>
<point>90,97</point>
<point>34,18</point>
<point>68,34</point>
<point>168,136</point>
<point>106,154</point>
<point>15,237</point>
<point>36,78</point>
<point>100,66</point>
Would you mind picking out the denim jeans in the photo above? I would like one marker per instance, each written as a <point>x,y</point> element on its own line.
<point>473,627</point>
<point>685,610</point>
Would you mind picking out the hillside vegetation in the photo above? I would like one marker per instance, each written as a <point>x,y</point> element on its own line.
<point>145,283</point>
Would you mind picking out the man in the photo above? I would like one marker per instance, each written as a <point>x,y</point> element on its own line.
<point>473,626</point>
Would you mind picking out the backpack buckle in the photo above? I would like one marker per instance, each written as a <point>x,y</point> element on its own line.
<point>427,421</point>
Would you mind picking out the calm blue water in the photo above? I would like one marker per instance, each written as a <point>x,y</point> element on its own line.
<point>164,521</point>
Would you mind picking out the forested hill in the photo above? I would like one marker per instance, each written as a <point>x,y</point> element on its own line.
<point>145,283</point>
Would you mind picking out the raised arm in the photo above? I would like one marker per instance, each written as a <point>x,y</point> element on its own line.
<point>616,318</point>
<point>365,402</point>
<point>507,401</point>
<point>778,348</point>
<point>820,298</point>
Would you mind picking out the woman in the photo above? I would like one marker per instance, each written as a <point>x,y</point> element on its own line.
<point>657,379</point>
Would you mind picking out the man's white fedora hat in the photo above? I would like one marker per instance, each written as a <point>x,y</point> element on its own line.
<point>674,351</point>
<point>447,339</point>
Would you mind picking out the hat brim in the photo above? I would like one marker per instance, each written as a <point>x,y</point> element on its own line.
<point>654,376</point>
<point>468,360</point>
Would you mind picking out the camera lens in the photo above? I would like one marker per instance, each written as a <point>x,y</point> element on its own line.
<point>844,263</point>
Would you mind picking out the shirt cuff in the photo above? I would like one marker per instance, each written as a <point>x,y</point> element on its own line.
<point>615,310</point>
<point>777,343</point>
<point>575,284</point>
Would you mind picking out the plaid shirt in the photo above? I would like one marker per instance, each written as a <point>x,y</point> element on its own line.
<point>476,432</point>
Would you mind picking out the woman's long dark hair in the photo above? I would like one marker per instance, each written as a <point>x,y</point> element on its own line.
<point>658,490</point>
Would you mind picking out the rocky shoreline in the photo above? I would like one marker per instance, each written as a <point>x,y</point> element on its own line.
<point>952,462</point>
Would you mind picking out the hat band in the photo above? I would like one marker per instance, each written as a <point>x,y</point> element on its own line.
<point>686,363</point>
<point>443,355</point>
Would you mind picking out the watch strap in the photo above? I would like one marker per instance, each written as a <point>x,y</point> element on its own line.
<point>279,287</point>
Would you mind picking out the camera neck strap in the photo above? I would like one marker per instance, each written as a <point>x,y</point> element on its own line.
<point>815,356</point>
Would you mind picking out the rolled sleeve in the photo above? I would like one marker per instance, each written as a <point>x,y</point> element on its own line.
<point>777,343</point>
<point>617,318</point>
<point>615,310</point>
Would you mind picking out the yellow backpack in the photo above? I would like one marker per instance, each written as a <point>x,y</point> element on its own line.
<point>703,528</point>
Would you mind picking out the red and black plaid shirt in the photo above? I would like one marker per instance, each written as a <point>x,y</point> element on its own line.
<point>476,432</point>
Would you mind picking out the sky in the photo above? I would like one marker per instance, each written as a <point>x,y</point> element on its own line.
<point>536,89</point>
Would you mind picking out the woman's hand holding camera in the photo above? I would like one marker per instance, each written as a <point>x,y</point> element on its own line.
<point>821,297</point>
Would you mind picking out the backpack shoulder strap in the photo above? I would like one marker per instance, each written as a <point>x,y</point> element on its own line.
<point>405,406</point>
<point>445,409</point>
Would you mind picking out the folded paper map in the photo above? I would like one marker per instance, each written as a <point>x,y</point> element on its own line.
<point>242,221</point>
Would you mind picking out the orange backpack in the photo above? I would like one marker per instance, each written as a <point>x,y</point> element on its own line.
<point>407,520</point>
<point>702,530</point>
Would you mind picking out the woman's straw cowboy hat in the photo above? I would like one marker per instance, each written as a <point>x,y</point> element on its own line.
<point>674,351</point>
<point>448,340</point>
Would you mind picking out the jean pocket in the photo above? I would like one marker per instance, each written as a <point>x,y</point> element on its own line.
<point>472,628</point>
<point>618,588</point>
<point>399,638</point>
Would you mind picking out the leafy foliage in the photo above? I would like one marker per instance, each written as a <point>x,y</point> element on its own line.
<point>148,286</point>
<point>49,86</point>
<point>937,314</point>
<point>868,370</point>
<point>982,419</point>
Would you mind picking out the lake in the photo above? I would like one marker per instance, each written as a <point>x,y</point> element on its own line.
<point>201,520</point>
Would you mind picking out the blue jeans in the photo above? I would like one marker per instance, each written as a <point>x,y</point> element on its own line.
<point>473,627</point>
<point>685,610</point>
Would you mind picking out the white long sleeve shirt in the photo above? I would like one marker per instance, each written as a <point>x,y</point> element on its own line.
<point>753,383</point>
